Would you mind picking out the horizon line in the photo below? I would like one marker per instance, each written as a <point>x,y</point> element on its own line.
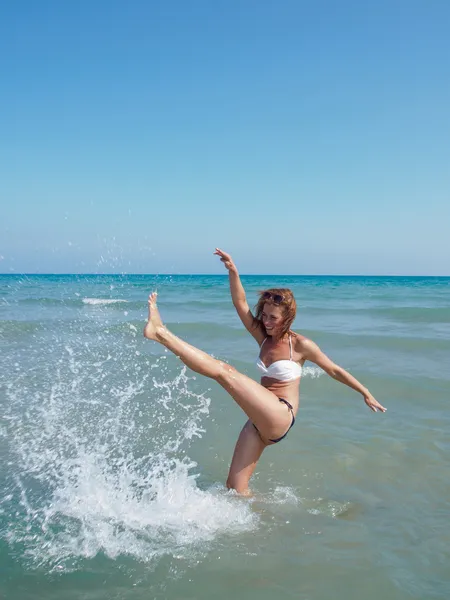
<point>23,274</point>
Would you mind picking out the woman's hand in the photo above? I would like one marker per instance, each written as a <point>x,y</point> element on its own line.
<point>226,259</point>
<point>373,404</point>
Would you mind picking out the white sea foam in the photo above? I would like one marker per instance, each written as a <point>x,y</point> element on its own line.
<point>331,508</point>
<point>282,495</point>
<point>312,372</point>
<point>102,301</point>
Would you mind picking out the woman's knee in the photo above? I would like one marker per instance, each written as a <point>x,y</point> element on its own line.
<point>225,374</point>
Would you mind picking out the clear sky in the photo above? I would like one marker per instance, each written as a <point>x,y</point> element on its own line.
<point>301,136</point>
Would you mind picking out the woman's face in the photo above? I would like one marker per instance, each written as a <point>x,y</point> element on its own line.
<point>272,318</point>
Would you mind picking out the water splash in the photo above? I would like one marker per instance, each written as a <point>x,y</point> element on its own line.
<point>97,441</point>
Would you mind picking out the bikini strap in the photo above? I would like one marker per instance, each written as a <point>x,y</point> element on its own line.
<point>263,342</point>
<point>288,404</point>
<point>290,347</point>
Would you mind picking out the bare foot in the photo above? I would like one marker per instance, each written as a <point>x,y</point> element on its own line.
<point>154,324</point>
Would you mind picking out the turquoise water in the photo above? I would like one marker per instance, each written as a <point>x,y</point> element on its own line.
<point>114,455</point>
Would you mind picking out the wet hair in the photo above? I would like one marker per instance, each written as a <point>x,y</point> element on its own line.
<point>287,304</point>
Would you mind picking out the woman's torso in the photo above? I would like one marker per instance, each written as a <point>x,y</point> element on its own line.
<point>279,359</point>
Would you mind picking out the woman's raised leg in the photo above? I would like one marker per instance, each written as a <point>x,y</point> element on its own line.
<point>261,405</point>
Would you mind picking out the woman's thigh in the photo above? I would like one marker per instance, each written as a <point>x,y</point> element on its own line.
<point>263,407</point>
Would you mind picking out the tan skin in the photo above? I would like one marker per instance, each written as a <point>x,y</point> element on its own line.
<point>260,401</point>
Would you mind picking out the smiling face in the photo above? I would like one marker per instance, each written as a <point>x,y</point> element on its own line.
<point>275,311</point>
<point>272,318</point>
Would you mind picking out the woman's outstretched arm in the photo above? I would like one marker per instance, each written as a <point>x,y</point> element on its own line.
<point>311,351</point>
<point>238,297</point>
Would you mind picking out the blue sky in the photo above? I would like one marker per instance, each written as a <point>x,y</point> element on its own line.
<point>303,137</point>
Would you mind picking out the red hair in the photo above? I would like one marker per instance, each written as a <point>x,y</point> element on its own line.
<point>287,304</point>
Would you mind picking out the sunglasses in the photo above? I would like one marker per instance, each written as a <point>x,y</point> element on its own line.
<point>276,298</point>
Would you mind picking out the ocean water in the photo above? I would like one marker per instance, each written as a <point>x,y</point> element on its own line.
<point>114,455</point>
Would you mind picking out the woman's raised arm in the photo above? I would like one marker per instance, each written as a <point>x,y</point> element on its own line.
<point>238,297</point>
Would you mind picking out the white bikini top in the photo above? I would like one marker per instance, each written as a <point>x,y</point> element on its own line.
<point>283,370</point>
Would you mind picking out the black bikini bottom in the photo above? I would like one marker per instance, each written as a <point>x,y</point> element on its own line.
<point>289,405</point>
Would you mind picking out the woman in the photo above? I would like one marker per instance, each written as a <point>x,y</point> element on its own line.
<point>272,405</point>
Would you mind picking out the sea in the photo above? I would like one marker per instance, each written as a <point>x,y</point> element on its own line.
<point>113,455</point>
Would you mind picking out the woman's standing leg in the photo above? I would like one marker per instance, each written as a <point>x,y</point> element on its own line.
<point>247,452</point>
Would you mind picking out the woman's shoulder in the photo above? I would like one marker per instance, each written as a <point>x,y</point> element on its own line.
<point>300,341</point>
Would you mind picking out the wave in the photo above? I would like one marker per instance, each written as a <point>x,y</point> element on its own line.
<point>405,341</point>
<point>102,301</point>
<point>416,314</point>
<point>219,310</point>
<point>404,314</point>
<point>14,327</point>
<point>75,302</point>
